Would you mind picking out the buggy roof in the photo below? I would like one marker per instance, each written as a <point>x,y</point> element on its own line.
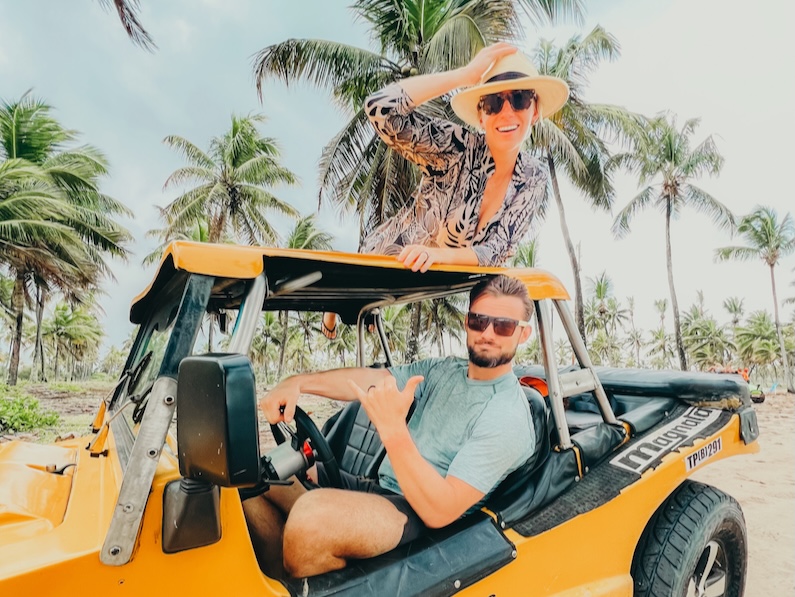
<point>303,280</point>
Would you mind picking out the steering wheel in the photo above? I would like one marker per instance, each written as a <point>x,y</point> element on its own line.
<point>306,429</point>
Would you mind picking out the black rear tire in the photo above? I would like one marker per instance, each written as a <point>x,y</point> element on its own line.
<point>695,545</point>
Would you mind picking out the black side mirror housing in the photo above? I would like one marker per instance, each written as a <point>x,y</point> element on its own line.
<point>217,428</point>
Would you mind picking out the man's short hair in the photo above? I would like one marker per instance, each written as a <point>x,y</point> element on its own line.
<point>501,285</point>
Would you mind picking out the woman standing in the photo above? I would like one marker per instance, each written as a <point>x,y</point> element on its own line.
<point>479,191</point>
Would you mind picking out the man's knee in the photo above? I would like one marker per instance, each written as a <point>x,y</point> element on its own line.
<point>306,536</point>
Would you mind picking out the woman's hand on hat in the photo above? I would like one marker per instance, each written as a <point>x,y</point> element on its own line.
<point>418,257</point>
<point>483,61</point>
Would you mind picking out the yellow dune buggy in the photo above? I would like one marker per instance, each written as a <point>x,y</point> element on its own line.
<point>603,506</point>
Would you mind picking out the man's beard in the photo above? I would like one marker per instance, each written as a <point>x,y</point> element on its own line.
<point>489,362</point>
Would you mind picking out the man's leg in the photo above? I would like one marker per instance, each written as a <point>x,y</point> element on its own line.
<point>265,516</point>
<point>327,527</point>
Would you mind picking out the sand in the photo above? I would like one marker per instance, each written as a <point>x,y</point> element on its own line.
<point>764,484</point>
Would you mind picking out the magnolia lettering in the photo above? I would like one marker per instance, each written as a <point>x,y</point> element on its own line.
<point>650,450</point>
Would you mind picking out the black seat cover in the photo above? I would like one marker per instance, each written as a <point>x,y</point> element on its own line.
<point>541,450</point>
<point>354,440</point>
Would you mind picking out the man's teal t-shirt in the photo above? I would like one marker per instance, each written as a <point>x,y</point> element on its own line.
<point>476,431</point>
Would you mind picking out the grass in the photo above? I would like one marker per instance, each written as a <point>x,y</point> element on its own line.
<point>19,411</point>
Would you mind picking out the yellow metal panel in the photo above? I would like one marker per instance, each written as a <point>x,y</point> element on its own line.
<point>67,556</point>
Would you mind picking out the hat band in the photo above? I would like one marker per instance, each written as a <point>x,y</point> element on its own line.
<point>507,76</point>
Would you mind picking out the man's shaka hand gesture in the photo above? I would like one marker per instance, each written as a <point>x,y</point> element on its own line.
<point>387,406</point>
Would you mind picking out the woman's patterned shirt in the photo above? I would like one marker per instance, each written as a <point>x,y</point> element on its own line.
<point>455,164</point>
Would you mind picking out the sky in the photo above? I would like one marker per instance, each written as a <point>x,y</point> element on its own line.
<point>727,62</point>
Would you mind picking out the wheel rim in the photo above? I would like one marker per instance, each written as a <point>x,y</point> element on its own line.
<point>709,577</point>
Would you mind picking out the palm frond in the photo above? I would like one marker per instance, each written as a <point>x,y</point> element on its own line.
<point>127,11</point>
<point>621,224</point>
<point>192,153</point>
<point>322,63</point>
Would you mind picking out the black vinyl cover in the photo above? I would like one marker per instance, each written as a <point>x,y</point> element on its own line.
<point>466,551</point>
<point>557,474</point>
<point>596,442</point>
<point>645,417</point>
<point>726,391</point>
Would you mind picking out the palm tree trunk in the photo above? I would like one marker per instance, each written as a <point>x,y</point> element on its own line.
<point>575,266</point>
<point>283,347</point>
<point>18,307</point>
<point>413,345</point>
<point>210,321</point>
<point>265,360</point>
<point>680,346</point>
<point>784,359</point>
<point>57,354</point>
<point>38,350</point>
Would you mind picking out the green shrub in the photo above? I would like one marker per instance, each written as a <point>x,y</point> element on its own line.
<point>21,412</point>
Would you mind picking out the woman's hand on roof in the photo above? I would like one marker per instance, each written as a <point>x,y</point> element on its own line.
<point>419,257</point>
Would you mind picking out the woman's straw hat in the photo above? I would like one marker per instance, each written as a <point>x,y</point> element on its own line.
<point>514,71</point>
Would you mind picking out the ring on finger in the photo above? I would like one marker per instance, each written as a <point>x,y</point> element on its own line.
<point>370,388</point>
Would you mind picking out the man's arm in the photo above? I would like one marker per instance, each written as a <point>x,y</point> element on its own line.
<point>437,500</point>
<point>331,384</point>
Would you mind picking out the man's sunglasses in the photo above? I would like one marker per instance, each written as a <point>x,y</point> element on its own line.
<point>520,99</point>
<point>503,326</point>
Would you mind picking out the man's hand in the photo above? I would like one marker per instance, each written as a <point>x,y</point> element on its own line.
<point>419,257</point>
<point>279,404</point>
<point>387,406</point>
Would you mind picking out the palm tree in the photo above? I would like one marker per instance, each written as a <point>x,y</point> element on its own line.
<point>234,181</point>
<point>666,165</point>
<point>662,306</point>
<point>601,289</point>
<point>734,306</point>
<point>574,138</point>
<point>603,310</point>
<point>756,340</point>
<point>706,341</point>
<point>768,240</point>
<point>304,235</point>
<point>73,330</point>
<point>634,339</point>
<point>265,342</point>
<point>660,349</point>
<point>198,232</point>
<point>526,254</point>
<point>358,170</point>
<point>443,316</point>
<point>55,224</point>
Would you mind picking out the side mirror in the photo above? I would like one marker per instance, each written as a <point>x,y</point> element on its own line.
<point>217,428</point>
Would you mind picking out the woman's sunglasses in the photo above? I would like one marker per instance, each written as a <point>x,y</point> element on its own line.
<point>520,99</point>
<point>503,326</point>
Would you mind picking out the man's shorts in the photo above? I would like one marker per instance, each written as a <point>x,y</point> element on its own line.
<point>414,526</point>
